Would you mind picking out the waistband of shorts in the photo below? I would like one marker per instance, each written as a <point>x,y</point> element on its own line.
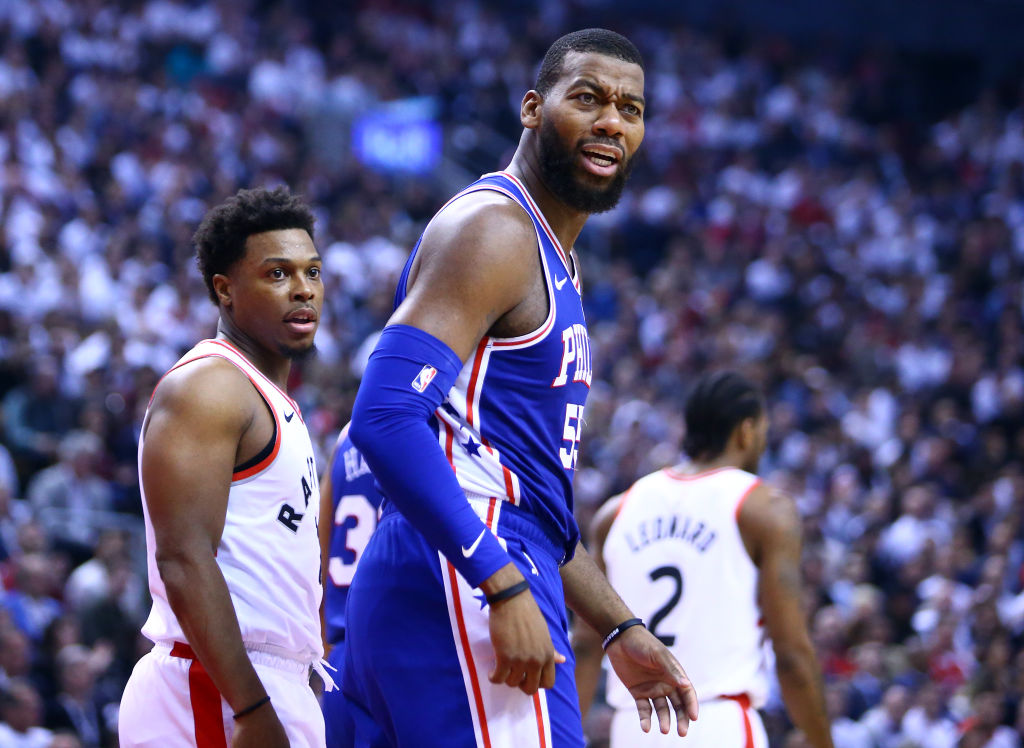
<point>511,520</point>
<point>743,699</point>
<point>258,655</point>
<point>517,521</point>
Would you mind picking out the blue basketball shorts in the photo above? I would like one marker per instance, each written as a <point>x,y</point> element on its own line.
<point>418,648</point>
<point>337,718</point>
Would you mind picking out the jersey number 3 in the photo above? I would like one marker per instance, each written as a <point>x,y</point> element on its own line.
<point>355,519</point>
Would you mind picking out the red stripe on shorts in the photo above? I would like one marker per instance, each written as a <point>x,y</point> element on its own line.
<point>744,701</point>
<point>205,698</point>
<point>478,696</point>
<point>540,721</point>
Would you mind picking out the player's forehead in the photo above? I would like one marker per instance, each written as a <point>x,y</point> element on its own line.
<point>608,72</point>
<point>293,244</point>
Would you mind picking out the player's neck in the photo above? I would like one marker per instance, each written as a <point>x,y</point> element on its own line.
<point>724,460</point>
<point>566,222</point>
<point>273,365</point>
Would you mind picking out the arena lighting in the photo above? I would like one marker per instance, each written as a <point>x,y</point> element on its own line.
<point>400,136</point>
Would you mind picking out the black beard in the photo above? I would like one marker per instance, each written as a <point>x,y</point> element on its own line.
<point>299,355</point>
<point>558,169</point>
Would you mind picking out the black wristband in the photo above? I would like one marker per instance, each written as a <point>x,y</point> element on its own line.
<point>508,592</point>
<point>252,708</point>
<point>617,631</point>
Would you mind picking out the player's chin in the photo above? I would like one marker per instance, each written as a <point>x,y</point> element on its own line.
<point>299,351</point>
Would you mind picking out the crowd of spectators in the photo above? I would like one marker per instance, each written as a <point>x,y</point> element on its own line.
<point>786,219</point>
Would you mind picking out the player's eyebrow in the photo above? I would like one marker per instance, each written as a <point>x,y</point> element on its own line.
<point>599,89</point>
<point>290,260</point>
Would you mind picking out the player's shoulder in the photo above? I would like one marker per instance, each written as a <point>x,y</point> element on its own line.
<point>768,512</point>
<point>197,389</point>
<point>484,221</point>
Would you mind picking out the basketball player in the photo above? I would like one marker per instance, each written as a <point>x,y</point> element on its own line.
<point>227,474</point>
<point>706,552</point>
<point>469,415</point>
<point>349,504</point>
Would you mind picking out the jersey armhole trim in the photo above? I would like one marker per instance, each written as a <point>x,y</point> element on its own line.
<point>743,498</point>
<point>534,336</point>
<point>268,451</point>
<point>245,471</point>
<point>268,454</point>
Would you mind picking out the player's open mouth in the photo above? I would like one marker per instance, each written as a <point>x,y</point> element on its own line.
<point>600,160</point>
<point>301,321</point>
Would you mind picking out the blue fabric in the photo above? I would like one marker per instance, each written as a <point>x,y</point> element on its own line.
<point>407,377</point>
<point>402,676</point>
<point>530,395</point>
<point>338,721</point>
<point>354,504</point>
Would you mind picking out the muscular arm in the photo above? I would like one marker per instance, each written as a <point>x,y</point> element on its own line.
<point>191,444</point>
<point>770,527</point>
<point>586,641</point>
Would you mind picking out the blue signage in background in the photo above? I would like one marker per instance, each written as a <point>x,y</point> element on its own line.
<point>400,136</point>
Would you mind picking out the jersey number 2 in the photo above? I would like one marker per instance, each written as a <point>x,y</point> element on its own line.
<point>356,518</point>
<point>673,573</point>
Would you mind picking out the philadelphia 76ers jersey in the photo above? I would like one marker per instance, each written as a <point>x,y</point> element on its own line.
<point>511,423</point>
<point>356,502</point>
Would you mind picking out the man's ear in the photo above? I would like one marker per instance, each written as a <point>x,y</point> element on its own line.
<point>746,433</point>
<point>222,287</point>
<point>529,110</point>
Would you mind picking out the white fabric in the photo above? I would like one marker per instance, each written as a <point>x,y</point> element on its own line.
<point>510,718</point>
<point>272,572</point>
<point>673,527</point>
<point>721,725</point>
<point>156,709</point>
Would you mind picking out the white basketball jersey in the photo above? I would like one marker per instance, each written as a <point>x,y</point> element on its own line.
<point>675,555</point>
<point>268,553</point>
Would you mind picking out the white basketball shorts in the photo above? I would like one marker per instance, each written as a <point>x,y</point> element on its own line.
<point>171,702</point>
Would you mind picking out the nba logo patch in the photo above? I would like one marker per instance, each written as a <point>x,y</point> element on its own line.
<point>424,378</point>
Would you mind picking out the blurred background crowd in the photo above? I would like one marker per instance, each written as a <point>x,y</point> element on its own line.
<point>833,221</point>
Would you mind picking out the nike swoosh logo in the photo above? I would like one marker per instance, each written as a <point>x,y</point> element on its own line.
<point>289,417</point>
<point>560,283</point>
<point>467,552</point>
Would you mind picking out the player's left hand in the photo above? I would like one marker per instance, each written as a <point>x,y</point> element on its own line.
<point>655,679</point>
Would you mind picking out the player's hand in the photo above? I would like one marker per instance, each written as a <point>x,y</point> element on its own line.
<point>525,658</point>
<point>260,729</point>
<point>655,679</point>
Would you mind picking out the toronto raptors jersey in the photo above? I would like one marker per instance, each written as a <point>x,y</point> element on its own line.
<point>512,421</point>
<point>675,555</point>
<point>268,553</point>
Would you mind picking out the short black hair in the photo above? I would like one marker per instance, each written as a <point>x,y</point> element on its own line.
<point>220,238</point>
<point>601,41</point>
<point>718,403</point>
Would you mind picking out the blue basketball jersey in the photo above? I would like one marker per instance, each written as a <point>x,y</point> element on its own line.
<point>511,424</point>
<point>356,501</point>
